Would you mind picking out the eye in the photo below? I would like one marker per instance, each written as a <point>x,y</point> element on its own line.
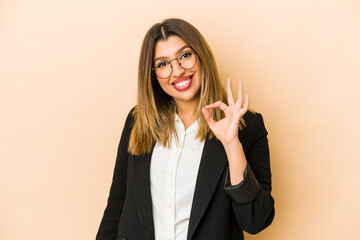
<point>162,64</point>
<point>185,55</point>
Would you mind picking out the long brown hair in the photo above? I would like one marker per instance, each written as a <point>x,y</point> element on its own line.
<point>154,112</point>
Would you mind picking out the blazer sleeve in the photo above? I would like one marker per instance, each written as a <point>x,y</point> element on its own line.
<point>109,223</point>
<point>252,202</point>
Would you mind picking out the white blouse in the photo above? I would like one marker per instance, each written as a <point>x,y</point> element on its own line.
<point>173,174</point>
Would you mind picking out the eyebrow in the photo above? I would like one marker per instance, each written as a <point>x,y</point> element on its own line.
<point>177,52</point>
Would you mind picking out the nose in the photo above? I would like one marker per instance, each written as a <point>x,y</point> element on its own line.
<point>177,70</point>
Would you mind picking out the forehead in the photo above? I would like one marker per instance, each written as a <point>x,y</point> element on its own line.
<point>168,47</point>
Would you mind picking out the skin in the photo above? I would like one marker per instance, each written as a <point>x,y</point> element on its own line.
<point>226,129</point>
<point>188,99</point>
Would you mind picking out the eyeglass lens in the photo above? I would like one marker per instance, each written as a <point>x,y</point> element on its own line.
<point>186,60</point>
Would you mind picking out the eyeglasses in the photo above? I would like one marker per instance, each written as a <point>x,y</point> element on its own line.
<point>186,60</point>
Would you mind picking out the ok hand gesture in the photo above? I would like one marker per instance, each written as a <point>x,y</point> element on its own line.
<point>226,129</point>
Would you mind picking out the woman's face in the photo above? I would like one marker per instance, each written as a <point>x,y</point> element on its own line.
<point>182,84</point>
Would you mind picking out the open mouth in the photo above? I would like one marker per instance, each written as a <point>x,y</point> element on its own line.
<point>184,84</point>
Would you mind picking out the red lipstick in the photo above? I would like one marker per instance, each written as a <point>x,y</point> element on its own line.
<point>182,83</point>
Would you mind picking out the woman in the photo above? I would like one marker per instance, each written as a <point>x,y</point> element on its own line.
<point>193,162</point>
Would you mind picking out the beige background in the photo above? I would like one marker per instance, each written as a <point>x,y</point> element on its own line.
<point>68,71</point>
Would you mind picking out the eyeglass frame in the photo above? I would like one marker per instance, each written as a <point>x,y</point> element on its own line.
<point>153,69</point>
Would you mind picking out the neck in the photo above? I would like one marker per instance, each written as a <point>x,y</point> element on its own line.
<point>187,111</point>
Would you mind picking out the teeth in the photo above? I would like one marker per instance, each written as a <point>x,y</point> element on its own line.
<point>180,84</point>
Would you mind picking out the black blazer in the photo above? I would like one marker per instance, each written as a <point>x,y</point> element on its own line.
<point>219,211</point>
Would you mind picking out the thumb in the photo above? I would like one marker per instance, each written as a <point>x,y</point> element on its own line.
<point>209,119</point>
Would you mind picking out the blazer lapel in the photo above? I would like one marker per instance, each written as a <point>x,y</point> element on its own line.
<point>212,163</point>
<point>141,173</point>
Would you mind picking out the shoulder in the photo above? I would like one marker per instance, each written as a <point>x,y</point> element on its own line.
<point>130,119</point>
<point>254,127</point>
<point>253,120</point>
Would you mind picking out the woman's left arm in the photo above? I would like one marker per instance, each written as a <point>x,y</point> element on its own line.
<point>253,204</point>
<point>250,190</point>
